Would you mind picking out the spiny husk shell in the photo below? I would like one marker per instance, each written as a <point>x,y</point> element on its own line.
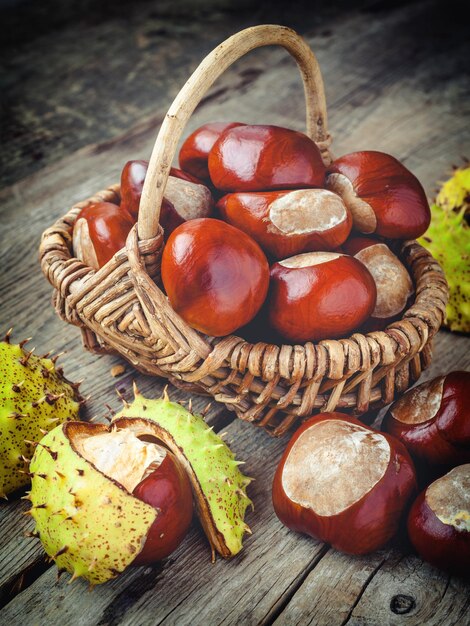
<point>218,485</point>
<point>91,526</point>
<point>34,396</point>
<point>448,240</point>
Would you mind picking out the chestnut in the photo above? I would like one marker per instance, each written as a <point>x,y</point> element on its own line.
<point>394,285</point>
<point>185,196</point>
<point>166,488</point>
<point>285,223</point>
<point>319,295</point>
<point>216,276</point>
<point>132,181</point>
<point>344,483</point>
<point>177,173</point>
<point>99,232</point>
<point>383,195</point>
<point>195,150</point>
<point>439,522</point>
<point>433,421</point>
<point>154,475</point>
<point>263,158</point>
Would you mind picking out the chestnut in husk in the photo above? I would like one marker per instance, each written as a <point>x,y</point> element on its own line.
<point>152,474</point>
<point>104,498</point>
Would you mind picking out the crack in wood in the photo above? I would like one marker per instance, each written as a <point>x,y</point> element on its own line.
<point>278,607</point>
<point>362,591</point>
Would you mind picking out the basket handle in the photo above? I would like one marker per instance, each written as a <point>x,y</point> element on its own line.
<point>196,87</point>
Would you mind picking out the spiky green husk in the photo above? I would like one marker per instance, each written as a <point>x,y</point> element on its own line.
<point>448,240</point>
<point>35,397</point>
<point>455,192</point>
<point>88,524</point>
<point>222,499</point>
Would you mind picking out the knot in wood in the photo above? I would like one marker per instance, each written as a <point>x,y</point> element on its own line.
<point>402,604</point>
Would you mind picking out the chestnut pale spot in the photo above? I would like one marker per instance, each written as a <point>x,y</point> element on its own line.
<point>83,247</point>
<point>189,199</point>
<point>420,404</point>
<point>308,259</point>
<point>333,464</point>
<point>363,215</point>
<point>394,285</point>
<point>120,455</point>
<point>449,498</point>
<point>307,210</point>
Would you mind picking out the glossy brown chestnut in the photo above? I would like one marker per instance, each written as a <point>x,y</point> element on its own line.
<point>319,295</point>
<point>262,158</point>
<point>185,198</point>
<point>285,223</point>
<point>167,489</point>
<point>195,150</point>
<point>216,277</point>
<point>394,286</point>
<point>383,195</point>
<point>132,182</point>
<point>439,522</point>
<point>433,420</point>
<point>100,231</point>
<point>343,483</point>
<point>177,173</point>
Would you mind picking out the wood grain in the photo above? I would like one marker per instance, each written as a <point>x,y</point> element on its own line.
<point>390,87</point>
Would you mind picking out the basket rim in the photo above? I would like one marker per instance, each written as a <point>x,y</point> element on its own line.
<point>67,274</point>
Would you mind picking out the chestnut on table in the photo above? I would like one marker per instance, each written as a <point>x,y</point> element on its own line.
<point>439,522</point>
<point>433,421</point>
<point>343,483</point>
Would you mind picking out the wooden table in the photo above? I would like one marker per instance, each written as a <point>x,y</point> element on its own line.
<point>394,82</point>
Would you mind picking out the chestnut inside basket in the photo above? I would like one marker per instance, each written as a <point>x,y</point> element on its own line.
<point>121,308</point>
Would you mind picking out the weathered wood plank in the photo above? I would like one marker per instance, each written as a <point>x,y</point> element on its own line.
<point>383,588</point>
<point>406,590</point>
<point>17,552</point>
<point>329,592</point>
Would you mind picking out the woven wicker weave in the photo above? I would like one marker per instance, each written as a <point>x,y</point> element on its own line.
<point>121,308</point>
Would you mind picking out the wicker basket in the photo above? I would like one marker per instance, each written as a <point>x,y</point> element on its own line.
<point>121,308</point>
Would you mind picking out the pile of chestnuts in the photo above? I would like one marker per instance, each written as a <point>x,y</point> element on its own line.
<point>259,234</point>
<point>352,486</point>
